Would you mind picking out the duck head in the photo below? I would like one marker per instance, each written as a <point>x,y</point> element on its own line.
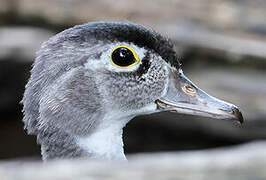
<point>88,81</point>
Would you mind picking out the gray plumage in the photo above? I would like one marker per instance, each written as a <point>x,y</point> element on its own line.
<point>77,102</point>
<point>63,99</point>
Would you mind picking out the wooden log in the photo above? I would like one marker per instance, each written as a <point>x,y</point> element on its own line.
<point>243,162</point>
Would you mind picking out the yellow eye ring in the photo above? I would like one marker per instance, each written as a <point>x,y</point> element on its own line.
<point>124,57</point>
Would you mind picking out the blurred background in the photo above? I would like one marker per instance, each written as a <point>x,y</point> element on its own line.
<point>221,43</point>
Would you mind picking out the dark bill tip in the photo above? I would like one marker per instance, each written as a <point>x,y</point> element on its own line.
<point>236,112</point>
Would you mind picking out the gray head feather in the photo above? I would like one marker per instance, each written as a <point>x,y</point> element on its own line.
<point>64,99</point>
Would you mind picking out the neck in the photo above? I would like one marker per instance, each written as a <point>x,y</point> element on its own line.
<point>57,144</point>
<point>103,142</point>
<point>106,142</point>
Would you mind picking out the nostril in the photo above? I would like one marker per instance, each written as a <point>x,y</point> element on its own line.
<point>189,90</point>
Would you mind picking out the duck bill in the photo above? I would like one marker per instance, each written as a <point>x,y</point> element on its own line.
<point>182,96</point>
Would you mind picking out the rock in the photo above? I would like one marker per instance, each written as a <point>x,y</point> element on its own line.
<point>21,43</point>
<point>245,15</point>
<point>18,46</point>
<point>17,52</point>
<point>228,46</point>
<point>233,28</point>
<point>243,162</point>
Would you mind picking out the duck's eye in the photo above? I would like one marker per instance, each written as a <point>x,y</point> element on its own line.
<point>124,57</point>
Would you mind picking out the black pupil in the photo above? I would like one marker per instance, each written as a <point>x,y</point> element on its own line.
<point>123,57</point>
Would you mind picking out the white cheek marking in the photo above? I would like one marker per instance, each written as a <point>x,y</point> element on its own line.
<point>105,59</point>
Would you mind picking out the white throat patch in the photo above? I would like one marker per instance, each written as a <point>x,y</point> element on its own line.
<point>106,142</point>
